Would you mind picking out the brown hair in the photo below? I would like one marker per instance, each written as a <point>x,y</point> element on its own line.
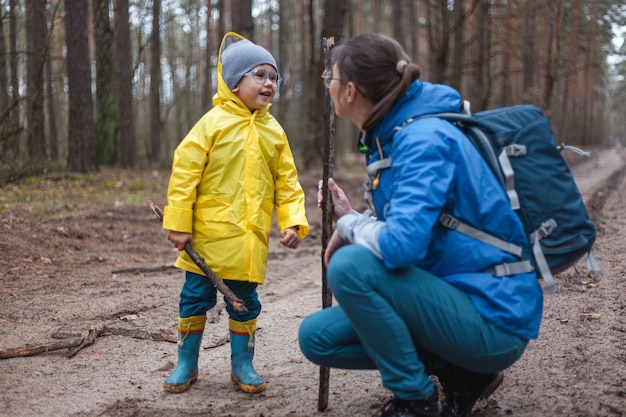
<point>379,67</point>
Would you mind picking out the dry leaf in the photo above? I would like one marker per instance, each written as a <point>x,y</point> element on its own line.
<point>168,336</point>
<point>130,317</point>
<point>167,367</point>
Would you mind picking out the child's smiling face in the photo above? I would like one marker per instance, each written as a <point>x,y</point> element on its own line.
<point>254,95</point>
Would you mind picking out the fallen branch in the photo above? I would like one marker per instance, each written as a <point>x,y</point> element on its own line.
<point>137,270</point>
<point>75,344</point>
<point>237,304</point>
<point>90,339</point>
<point>163,336</point>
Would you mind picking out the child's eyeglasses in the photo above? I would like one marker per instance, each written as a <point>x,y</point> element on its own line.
<point>259,76</point>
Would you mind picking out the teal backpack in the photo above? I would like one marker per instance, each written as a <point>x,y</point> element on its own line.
<point>519,146</point>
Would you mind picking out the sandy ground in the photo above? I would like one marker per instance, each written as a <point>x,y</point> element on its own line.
<point>86,253</point>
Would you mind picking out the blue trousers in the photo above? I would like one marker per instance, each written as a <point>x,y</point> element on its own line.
<point>392,320</point>
<point>199,296</point>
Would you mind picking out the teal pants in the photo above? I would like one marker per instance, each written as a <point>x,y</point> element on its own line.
<point>393,321</point>
<point>198,296</point>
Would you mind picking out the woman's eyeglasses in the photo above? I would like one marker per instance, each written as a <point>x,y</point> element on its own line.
<point>327,76</point>
<point>259,76</point>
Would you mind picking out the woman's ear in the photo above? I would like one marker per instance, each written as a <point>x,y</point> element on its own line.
<point>351,92</point>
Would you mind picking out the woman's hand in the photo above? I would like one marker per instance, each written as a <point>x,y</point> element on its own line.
<point>341,204</point>
<point>334,244</point>
<point>289,238</point>
<point>179,239</point>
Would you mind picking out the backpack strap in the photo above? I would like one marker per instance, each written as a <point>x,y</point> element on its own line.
<point>450,222</point>
<point>513,151</point>
<point>542,265</point>
<point>503,269</point>
<point>512,268</point>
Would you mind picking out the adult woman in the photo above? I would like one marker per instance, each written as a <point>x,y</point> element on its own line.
<point>414,297</point>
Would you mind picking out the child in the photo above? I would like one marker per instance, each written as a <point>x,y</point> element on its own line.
<point>229,173</point>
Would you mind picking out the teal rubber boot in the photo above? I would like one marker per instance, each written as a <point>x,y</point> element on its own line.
<point>242,352</point>
<point>190,337</point>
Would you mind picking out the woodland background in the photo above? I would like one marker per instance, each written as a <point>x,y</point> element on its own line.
<point>86,84</point>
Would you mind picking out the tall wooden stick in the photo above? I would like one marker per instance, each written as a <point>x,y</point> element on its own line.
<point>327,209</point>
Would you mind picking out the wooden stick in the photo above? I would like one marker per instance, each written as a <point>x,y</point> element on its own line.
<point>87,341</point>
<point>327,210</point>
<point>75,344</point>
<point>238,305</point>
<point>33,350</point>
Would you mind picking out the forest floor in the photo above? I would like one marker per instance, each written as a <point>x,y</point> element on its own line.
<point>81,253</point>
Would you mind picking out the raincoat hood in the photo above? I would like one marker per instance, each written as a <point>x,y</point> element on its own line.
<point>224,94</point>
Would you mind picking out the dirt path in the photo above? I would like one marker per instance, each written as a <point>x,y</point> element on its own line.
<point>56,277</point>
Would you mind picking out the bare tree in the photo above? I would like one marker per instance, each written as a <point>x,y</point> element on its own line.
<point>398,11</point>
<point>53,137</point>
<point>36,52</point>
<point>5,99</point>
<point>207,75</point>
<point>107,115</point>
<point>81,147</point>
<point>155,84</point>
<point>123,65</point>
<point>15,114</point>
<point>241,18</point>
<point>332,26</point>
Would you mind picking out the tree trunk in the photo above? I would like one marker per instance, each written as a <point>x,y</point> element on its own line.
<point>332,27</point>
<point>124,64</point>
<point>81,144</point>
<point>107,115</point>
<point>13,141</point>
<point>207,90</point>
<point>4,94</point>
<point>397,15</point>
<point>35,62</point>
<point>458,46</point>
<point>155,84</point>
<point>52,124</point>
<point>528,51</point>
<point>241,18</point>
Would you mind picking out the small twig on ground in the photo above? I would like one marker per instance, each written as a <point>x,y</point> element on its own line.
<point>138,270</point>
<point>90,339</point>
<point>75,344</point>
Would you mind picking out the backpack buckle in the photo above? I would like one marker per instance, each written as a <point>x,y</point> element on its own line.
<point>546,228</point>
<point>516,150</point>
<point>448,221</point>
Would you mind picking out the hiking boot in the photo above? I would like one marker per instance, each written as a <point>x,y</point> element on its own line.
<point>463,388</point>
<point>428,407</point>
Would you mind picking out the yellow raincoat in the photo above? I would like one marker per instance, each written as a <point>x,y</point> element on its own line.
<point>229,173</point>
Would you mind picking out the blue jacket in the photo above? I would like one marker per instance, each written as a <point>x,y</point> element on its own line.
<point>435,168</point>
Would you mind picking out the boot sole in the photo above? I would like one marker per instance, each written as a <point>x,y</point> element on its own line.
<point>493,385</point>
<point>177,389</point>
<point>251,389</point>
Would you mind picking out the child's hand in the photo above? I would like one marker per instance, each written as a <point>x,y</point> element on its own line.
<point>289,238</point>
<point>178,239</point>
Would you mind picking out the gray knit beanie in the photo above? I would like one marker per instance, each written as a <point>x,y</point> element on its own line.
<point>240,57</point>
